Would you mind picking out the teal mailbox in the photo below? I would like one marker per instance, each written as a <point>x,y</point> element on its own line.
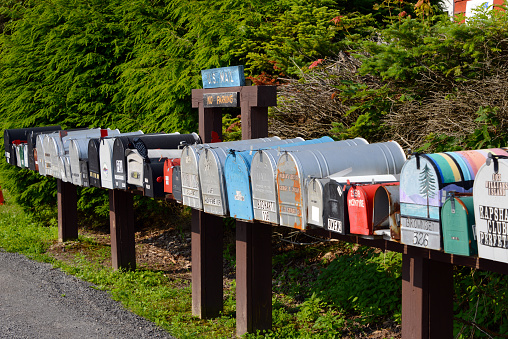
<point>458,223</point>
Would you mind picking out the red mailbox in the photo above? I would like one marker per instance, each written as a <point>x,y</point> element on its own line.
<point>169,164</point>
<point>368,212</point>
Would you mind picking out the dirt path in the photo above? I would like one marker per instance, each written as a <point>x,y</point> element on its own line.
<point>37,301</point>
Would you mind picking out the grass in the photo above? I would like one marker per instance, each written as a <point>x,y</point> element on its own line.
<point>331,290</point>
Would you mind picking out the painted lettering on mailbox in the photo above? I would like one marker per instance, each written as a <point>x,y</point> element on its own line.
<point>497,226</point>
<point>496,187</point>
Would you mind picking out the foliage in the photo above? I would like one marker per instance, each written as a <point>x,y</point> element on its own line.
<point>369,284</point>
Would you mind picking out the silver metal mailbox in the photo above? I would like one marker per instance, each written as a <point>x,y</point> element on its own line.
<point>263,178</point>
<point>294,169</point>
<point>189,171</point>
<point>21,135</point>
<point>491,209</point>
<point>78,151</point>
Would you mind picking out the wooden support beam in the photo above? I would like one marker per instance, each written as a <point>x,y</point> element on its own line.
<point>427,298</point>
<point>121,223</point>
<point>206,246</point>
<point>67,198</point>
<point>253,277</point>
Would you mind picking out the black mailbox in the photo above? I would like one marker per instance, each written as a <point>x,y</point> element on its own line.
<point>83,165</point>
<point>153,175</point>
<point>335,213</point>
<point>94,169</point>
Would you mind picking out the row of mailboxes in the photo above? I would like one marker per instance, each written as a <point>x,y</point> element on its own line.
<point>451,201</point>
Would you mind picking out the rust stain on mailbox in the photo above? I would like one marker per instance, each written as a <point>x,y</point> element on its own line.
<point>289,192</point>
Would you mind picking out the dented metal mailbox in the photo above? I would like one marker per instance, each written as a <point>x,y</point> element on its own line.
<point>491,209</point>
<point>424,183</point>
<point>212,179</point>
<point>191,190</point>
<point>263,178</point>
<point>458,222</point>
<point>295,168</point>
<point>238,181</point>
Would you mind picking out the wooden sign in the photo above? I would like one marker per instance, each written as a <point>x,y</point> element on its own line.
<point>229,99</point>
<point>223,77</point>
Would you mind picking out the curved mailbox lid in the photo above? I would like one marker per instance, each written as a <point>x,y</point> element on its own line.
<point>94,170</point>
<point>152,178</point>
<point>46,157</point>
<point>293,169</point>
<point>83,168</point>
<point>237,170</point>
<point>491,210</point>
<point>177,184</point>
<point>263,178</point>
<point>191,190</point>
<point>220,156</point>
<point>169,165</point>
<point>457,216</point>
<point>335,212</point>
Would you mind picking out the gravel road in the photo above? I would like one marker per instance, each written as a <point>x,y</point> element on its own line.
<point>37,301</point>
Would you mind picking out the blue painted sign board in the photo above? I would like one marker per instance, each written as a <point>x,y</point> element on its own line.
<point>223,77</point>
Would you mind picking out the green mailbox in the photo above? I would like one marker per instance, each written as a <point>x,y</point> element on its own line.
<point>458,222</point>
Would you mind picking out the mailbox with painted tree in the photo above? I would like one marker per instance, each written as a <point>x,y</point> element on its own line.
<point>424,182</point>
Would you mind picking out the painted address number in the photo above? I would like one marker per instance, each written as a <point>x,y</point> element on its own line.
<point>421,239</point>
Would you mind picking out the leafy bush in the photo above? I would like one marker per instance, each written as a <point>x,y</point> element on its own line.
<point>365,283</point>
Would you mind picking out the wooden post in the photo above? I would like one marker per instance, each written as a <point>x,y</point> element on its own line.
<point>253,277</point>
<point>427,298</point>
<point>206,246</point>
<point>67,198</point>
<point>121,223</point>
<point>207,232</point>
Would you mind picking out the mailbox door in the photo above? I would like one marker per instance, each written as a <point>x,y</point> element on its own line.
<point>94,169</point>
<point>457,221</point>
<point>491,211</point>
<point>388,194</point>
<point>212,182</point>
<point>315,201</point>
<point>264,188</point>
<point>236,172</point>
<point>153,172</point>
<point>360,208</point>
<point>169,165</point>
<point>335,212</point>
<point>83,164</point>
<point>191,189</point>
<point>177,184</point>
<point>106,162</point>
<point>135,169</point>
<point>119,163</point>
